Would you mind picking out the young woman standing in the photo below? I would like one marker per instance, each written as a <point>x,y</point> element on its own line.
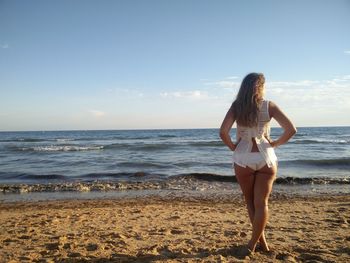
<point>254,159</point>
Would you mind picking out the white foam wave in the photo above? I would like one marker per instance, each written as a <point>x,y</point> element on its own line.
<point>62,148</point>
<point>310,141</point>
<point>64,139</point>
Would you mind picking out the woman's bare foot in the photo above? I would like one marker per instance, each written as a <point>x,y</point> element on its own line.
<point>244,251</point>
<point>263,246</point>
<point>251,246</point>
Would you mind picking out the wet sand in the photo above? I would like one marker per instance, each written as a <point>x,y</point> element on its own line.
<point>154,229</point>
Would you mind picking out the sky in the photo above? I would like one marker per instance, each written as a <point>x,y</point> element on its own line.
<point>128,64</point>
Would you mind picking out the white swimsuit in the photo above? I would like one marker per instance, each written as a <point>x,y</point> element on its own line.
<point>243,155</point>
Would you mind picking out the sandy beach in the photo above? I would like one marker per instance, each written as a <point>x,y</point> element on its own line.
<point>313,229</point>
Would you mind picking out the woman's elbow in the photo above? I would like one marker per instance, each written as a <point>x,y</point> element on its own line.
<point>223,133</point>
<point>293,130</point>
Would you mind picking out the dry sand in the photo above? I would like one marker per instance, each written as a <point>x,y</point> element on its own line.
<point>157,230</point>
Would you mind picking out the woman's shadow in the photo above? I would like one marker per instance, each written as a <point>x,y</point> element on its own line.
<point>237,251</point>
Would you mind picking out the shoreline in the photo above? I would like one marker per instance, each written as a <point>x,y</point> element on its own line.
<point>157,229</point>
<point>201,190</point>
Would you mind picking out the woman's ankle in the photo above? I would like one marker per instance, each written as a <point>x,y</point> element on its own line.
<point>251,246</point>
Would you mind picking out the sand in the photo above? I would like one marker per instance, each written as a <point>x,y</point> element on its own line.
<point>312,229</point>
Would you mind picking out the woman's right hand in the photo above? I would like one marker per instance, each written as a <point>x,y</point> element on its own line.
<point>233,147</point>
<point>273,144</point>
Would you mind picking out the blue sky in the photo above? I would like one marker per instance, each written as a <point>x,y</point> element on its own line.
<point>169,64</point>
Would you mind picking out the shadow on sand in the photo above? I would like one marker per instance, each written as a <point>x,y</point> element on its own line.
<point>239,252</point>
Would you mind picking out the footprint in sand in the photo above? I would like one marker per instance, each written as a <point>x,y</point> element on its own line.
<point>309,256</point>
<point>74,254</point>
<point>176,231</point>
<point>151,250</point>
<point>117,235</point>
<point>286,257</point>
<point>342,209</point>
<point>91,247</point>
<point>24,237</point>
<point>9,240</point>
<point>229,233</point>
<point>52,246</point>
<point>174,218</point>
<point>243,234</point>
<point>165,251</point>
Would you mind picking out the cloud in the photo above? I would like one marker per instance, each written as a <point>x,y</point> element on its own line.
<point>225,84</point>
<point>307,99</point>
<point>97,113</point>
<point>296,84</point>
<point>232,77</point>
<point>230,83</point>
<point>189,95</point>
<point>332,93</point>
<point>347,52</point>
<point>4,45</point>
<point>125,92</point>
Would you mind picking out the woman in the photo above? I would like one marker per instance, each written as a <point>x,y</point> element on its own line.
<point>254,159</point>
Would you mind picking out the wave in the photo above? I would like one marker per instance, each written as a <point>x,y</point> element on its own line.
<point>38,140</point>
<point>216,143</point>
<point>205,177</point>
<point>319,141</point>
<point>280,180</point>
<point>140,146</point>
<point>120,175</point>
<point>77,139</point>
<point>59,148</point>
<point>341,162</point>
<point>24,140</point>
<point>141,181</point>
<point>312,180</point>
<point>142,165</point>
<point>147,147</point>
<point>123,138</point>
<point>64,139</point>
<point>166,136</point>
<point>34,177</point>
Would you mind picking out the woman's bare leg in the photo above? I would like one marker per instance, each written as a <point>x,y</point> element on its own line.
<point>246,180</point>
<point>264,179</point>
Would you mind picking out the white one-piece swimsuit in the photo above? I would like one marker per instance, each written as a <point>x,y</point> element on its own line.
<point>243,155</point>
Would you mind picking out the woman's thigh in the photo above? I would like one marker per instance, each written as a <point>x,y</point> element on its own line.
<point>264,179</point>
<point>245,178</point>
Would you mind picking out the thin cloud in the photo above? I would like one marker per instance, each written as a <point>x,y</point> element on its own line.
<point>4,45</point>
<point>97,113</point>
<point>190,95</point>
<point>347,52</point>
<point>232,77</point>
<point>309,93</point>
<point>125,92</point>
<point>227,84</point>
<point>331,94</point>
<point>300,83</point>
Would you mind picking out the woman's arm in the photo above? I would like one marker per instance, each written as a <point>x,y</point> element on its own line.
<point>225,130</point>
<point>288,127</point>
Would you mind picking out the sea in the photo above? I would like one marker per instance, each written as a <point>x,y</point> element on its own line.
<point>93,163</point>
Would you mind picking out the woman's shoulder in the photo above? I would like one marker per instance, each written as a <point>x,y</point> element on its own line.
<point>268,104</point>
<point>271,103</point>
<point>272,108</point>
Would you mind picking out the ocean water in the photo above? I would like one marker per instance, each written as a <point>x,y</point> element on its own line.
<point>154,159</point>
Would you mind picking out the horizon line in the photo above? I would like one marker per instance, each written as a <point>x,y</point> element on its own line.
<point>156,129</point>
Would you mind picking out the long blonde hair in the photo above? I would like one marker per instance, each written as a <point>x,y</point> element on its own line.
<point>246,106</point>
